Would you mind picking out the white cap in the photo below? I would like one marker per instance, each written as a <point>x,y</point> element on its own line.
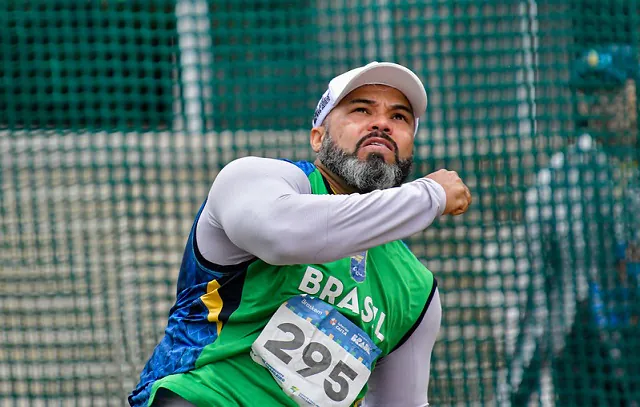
<point>374,73</point>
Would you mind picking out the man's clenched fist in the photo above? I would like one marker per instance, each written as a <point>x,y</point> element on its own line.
<point>458,195</point>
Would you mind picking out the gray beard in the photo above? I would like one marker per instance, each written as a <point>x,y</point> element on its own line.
<point>364,176</point>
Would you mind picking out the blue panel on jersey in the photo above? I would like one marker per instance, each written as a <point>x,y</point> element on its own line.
<point>305,166</point>
<point>188,330</point>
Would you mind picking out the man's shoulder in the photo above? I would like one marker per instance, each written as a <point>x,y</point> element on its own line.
<point>305,166</point>
<point>264,165</point>
<point>255,171</point>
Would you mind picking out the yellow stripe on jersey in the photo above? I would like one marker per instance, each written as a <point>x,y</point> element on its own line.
<point>213,302</point>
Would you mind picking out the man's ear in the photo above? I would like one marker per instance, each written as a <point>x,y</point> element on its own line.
<point>316,137</point>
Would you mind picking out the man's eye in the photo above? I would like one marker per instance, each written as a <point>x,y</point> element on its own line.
<point>400,116</point>
<point>361,110</point>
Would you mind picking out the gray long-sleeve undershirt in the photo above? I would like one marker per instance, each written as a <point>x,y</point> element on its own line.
<point>260,207</point>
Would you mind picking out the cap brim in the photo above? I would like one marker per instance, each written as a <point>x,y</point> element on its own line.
<point>395,76</point>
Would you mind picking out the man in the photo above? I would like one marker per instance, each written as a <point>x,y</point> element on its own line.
<point>579,325</point>
<point>294,288</point>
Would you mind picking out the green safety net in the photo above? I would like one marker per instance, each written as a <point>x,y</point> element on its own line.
<point>115,117</point>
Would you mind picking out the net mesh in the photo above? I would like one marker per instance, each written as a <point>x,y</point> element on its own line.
<point>115,117</point>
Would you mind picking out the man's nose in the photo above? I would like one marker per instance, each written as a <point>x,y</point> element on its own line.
<point>381,124</point>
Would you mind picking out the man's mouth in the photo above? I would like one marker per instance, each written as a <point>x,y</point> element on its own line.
<point>379,142</point>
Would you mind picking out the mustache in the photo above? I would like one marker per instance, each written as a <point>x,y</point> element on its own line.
<point>378,134</point>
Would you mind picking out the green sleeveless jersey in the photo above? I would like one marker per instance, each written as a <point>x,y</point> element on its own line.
<point>384,291</point>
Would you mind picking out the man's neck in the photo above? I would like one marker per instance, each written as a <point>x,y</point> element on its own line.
<point>336,183</point>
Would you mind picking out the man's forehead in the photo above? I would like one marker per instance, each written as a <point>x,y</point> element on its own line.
<point>377,93</point>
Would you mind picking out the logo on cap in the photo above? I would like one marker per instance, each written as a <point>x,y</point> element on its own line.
<point>321,105</point>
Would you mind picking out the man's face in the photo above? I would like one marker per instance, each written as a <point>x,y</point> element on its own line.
<point>368,138</point>
<point>370,108</point>
<point>612,115</point>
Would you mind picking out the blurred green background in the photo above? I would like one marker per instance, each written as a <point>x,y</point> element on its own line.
<point>115,117</point>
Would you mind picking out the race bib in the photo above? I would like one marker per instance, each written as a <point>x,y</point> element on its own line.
<point>316,355</point>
